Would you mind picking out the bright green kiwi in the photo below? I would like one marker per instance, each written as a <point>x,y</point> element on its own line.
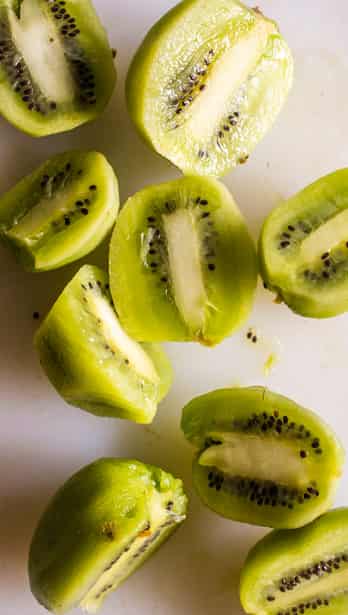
<point>207,83</point>
<point>182,264</point>
<point>296,572</point>
<point>304,248</point>
<point>101,525</point>
<point>56,65</point>
<point>61,211</point>
<point>261,458</point>
<point>90,359</point>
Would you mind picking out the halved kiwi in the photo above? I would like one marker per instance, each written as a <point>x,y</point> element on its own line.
<point>102,524</point>
<point>207,83</point>
<point>61,211</point>
<point>182,264</point>
<point>296,572</point>
<point>304,248</point>
<point>91,360</point>
<point>56,66</point>
<point>261,458</point>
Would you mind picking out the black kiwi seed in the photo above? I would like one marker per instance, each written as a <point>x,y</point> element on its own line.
<point>84,211</point>
<point>36,315</point>
<point>211,267</point>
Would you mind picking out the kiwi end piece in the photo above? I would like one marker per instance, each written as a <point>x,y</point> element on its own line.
<point>261,458</point>
<point>303,248</point>
<point>299,571</point>
<point>98,528</point>
<point>182,263</point>
<point>207,83</point>
<point>92,362</point>
<point>61,211</point>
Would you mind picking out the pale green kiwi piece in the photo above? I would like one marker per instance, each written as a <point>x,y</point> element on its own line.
<point>207,83</point>
<point>297,572</point>
<point>303,248</point>
<point>56,66</point>
<point>182,264</point>
<point>100,526</point>
<point>92,362</point>
<point>261,458</point>
<point>61,211</point>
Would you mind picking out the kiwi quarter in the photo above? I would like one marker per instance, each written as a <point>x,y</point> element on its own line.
<point>61,211</point>
<point>296,572</point>
<point>182,264</point>
<point>102,524</point>
<point>304,248</point>
<point>90,359</point>
<point>261,458</point>
<point>207,83</point>
<point>56,66</point>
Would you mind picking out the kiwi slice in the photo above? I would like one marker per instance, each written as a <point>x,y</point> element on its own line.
<point>91,360</point>
<point>101,525</point>
<point>60,212</point>
<point>261,458</point>
<point>296,572</point>
<point>304,248</point>
<point>182,264</point>
<point>56,66</point>
<point>207,83</point>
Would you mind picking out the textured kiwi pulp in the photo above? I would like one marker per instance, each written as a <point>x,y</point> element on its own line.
<point>56,67</point>
<point>296,572</point>
<point>160,525</point>
<point>260,458</point>
<point>304,248</point>
<point>207,83</point>
<point>182,264</point>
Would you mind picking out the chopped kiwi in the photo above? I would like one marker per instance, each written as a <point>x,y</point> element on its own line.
<point>207,83</point>
<point>101,525</point>
<point>296,572</point>
<point>56,66</point>
<point>61,211</point>
<point>182,264</point>
<point>304,248</point>
<point>91,360</point>
<point>261,458</point>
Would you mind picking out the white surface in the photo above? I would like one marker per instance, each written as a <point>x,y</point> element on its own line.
<point>43,440</point>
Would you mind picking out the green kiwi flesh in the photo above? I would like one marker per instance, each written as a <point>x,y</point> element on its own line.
<point>182,264</point>
<point>56,66</point>
<point>304,248</point>
<point>101,525</point>
<point>295,572</point>
<point>61,211</point>
<point>90,359</point>
<point>207,83</point>
<point>261,458</point>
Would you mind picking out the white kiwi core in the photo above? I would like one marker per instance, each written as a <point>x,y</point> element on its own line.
<point>117,338</point>
<point>183,245</point>
<point>260,458</point>
<point>36,39</point>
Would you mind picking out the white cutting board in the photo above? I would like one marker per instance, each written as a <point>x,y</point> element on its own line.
<point>43,440</point>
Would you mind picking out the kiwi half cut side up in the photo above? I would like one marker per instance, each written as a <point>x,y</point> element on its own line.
<point>56,65</point>
<point>207,83</point>
<point>261,458</point>
<point>182,264</point>
<point>61,212</point>
<point>296,572</point>
<point>304,248</point>
<point>90,359</point>
<point>101,525</point>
